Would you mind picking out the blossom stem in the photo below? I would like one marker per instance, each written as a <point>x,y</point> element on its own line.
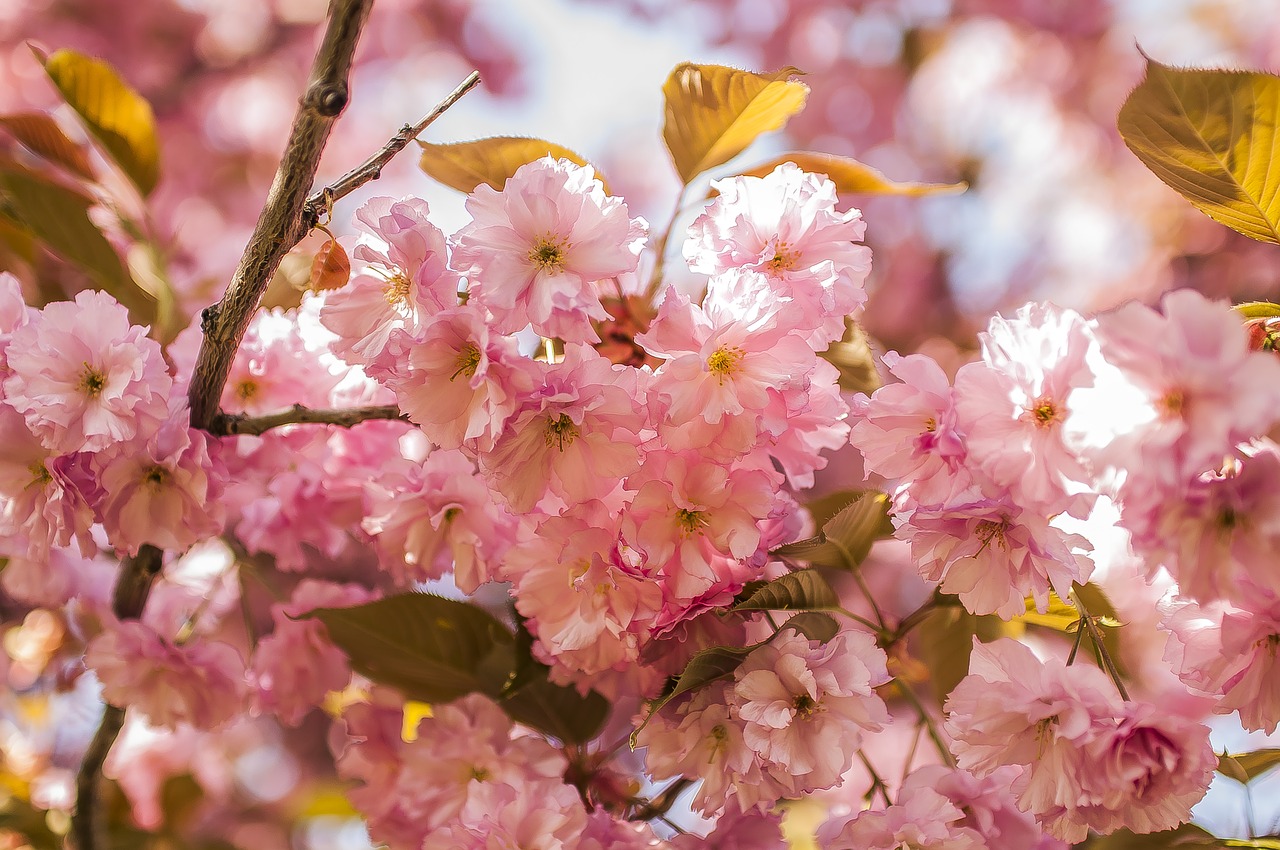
<point>862,620</point>
<point>319,203</point>
<point>282,223</point>
<point>1075,646</point>
<point>877,784</point>
<point>1095,635</point>
<point>660,248</point>
<point>228,423</point>
<point>928,721</point>
<point>866,591</point>
<point>128,600</point>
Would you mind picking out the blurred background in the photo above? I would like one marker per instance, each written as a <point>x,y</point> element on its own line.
<point>1016,97</point>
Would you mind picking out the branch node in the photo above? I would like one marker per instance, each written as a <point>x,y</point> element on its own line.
<point>328,98</point>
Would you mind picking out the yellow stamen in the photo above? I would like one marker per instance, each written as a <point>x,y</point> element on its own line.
<point>548,254</point>
<point>468,360</point>
<point>92,381</point>
<point>724,361</point>
<point>561,431</point>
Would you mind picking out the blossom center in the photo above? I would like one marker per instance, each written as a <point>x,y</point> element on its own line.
<point>40,475</point>
<point>804,705</point>
<point>247,389</point>
<point>480,774</point>
<point>468,360</point>
<point>784,259</point>
<point>690,522</point>
<point>724,361</point>
<point>547,255</point>
<point>989,530</point>
<point>1045,413</point>
<point>561,431</point>
<point>397,289</point>
<point>1173,405</point>
<point>930,425</point>
<point>156,477</point>
<point>92,382</point>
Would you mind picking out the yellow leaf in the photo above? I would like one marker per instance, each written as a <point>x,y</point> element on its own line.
<point>1060,617</point>
<point>414,713</point>
<point>714,112</point>
<point>465,165</point>
<point>42,135</point>
<point>1211,135</point>
<point>119,117</point>
<point>852,177</point>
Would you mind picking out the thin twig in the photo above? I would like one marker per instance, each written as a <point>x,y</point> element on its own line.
<point>929,723</point>
<point>371,168</point>
<point>661,804</point>
<point>281,224</point>
<point>129,598</point>
<point>236,423</point>
<point>877,783</point>
<point>1095,635</point>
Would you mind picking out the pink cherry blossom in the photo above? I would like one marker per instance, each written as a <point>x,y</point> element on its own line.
<point>166,491</point>
<point>435,517</point>
<point>406,277</point>
<point>785,225</point>
<point>806,704</point>
<point>925,819</point>
<point>459,382</point>
<point>993,554</point>
<point>296,665</point>
<point>987,803</point>
<point>44,499</point>
<point>199,683</point>
<point>535,252</point>
<point>84,377</point>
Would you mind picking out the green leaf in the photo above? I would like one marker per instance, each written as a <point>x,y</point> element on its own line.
<point>1186,835</point>
<point>466,165</point>
<point>803,590</point>
<point>1211,136</point>
<point>558,710</point>
<point>1244,767</point>
<point>714,112</point>
<point>119,117</point>
<point>852,356</point>
<point>58,218</point>
<point>847,537</point>
<point>1258,310</point>
<point>429,648</point>
<point>945,642</point>
<point>41,134</point>
<point>852,177</point>
<point>707,666</point>
<point>813,625</point>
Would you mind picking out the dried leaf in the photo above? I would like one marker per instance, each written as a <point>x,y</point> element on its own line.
<point>119,117</point>
<point>852,177</point>
<point>331,268</point>
<point>41,134</point>
<point>1244,767</point>
<point>465,165</point>
<point>714,112</point>
<point>1211,136</point>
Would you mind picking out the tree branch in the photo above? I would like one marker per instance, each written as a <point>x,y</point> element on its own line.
<point>230,423</point>
<point>281,224</point>
<point>371,168</point>
<point>130,597</point>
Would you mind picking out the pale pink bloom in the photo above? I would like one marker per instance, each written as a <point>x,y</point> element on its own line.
<point>276,367</point>
<point>804,427</point>
<point>531,815</point>
<point>738,830</point>
<point>1230,653</point>
<point>409,790</point>
<point>58,577</point>
<point>987,804</point>
<point>925,820</point>
<point>166,491</point>
<point>460,383</point>
<point>1014,709</point>
<point>295,666</point>
<point>721,362</point>
<point>702,739</point>
<point>536,252</point>
<point>14,313</point>
<point>806,704</point>
<point>907,431</point>
<point>993,554</point>
<point>436,517</point>
<point>44,499</point>
<point>83,377</point>
<point>1014,406</point>
<point>785,225</point>
<point>585,598</point>
<point>576,437</point>
<point>1197,388</point>
<point>1219,535</point>
<point>687,511</point>
<point>200,683</point>
<point>405,279</point>
<point>606,832</point>
<point>1143,773</point>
